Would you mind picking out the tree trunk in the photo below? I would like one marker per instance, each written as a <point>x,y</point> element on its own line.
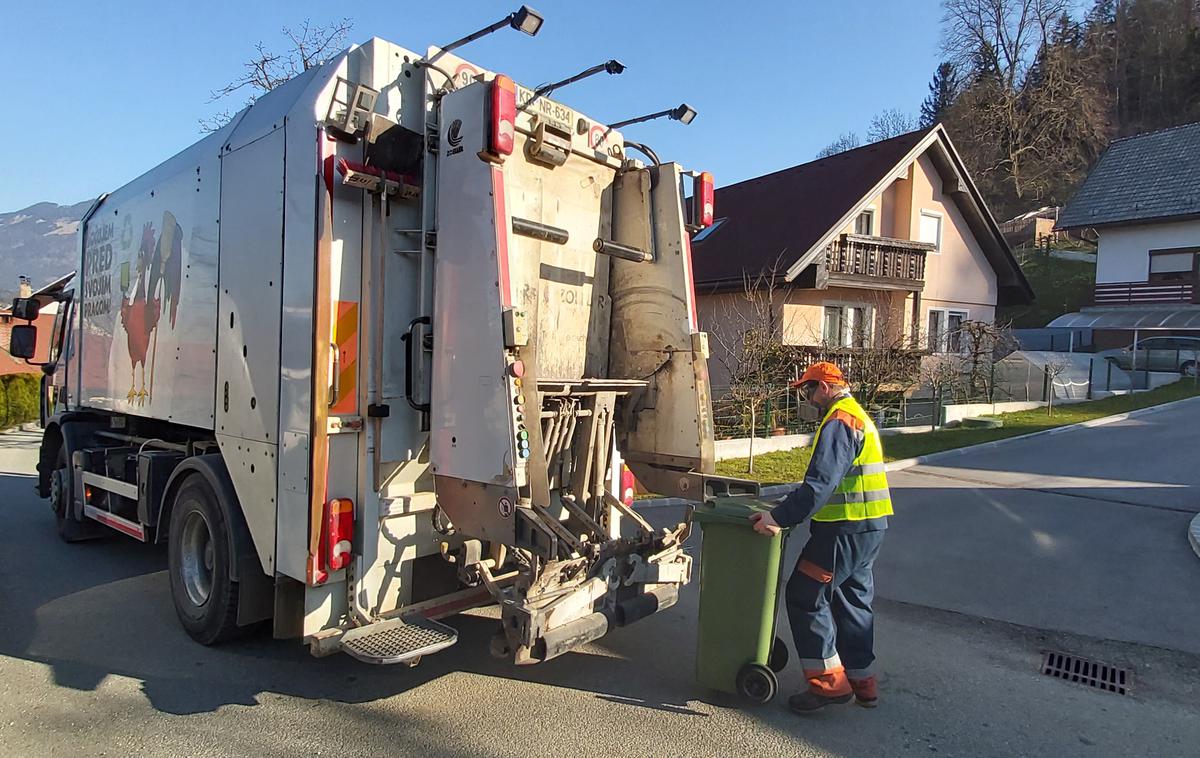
<point>753,426</point>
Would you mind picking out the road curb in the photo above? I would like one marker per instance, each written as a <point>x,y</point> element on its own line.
<point>1194,534</point>
<point>778,490</point>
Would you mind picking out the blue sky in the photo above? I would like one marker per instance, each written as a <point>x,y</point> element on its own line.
<point>104,94</point>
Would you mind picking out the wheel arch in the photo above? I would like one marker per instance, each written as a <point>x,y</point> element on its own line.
<point>211,468</point>
<point>71,429</point>
<point>257,591</point>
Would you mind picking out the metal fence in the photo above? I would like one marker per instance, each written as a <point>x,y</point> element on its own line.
<point>1065,340</point>
<point>731,419</point>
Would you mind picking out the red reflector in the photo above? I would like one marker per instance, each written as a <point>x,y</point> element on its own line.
<point>627,485</point>
<point>704,200</point>
<point>339,532</point>
<point>502,134</point>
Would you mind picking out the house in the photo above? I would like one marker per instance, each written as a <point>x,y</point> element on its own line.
<point>887,244</point>
<point>1143,201</point>
<point>1031,228</point>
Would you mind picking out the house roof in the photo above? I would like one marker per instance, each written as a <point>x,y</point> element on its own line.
<point>782,220</point>
<point>1154,176</point>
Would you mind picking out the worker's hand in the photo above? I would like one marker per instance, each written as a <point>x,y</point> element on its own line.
<point>765,524</point>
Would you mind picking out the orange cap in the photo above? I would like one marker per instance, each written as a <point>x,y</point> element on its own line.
<point>823,371</point>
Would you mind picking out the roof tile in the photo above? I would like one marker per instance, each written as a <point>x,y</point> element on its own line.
<point>1147,176</point>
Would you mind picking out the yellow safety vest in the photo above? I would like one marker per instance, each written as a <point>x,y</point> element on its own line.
<point>863,493</point>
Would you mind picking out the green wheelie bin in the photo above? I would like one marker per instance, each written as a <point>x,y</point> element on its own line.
<point>740,572</point>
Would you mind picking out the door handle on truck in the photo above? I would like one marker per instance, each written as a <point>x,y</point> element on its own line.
<point>408,363</point>
<point>334,384</point>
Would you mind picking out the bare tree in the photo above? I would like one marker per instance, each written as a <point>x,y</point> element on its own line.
<point>1054,369</point>
<point>943,374</point>
<point>1031,116</point>
<point>890,123</point>
<point>982,343</point>
<point>308,45</point>
<point>751,350</point>
<point>998,35</point>
<point>844,142</point>
<point>878,359</point>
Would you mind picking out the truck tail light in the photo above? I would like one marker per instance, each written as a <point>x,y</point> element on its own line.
<point>702,196</point>
<point>339,532</point>
<point>502,131</point>
<point>627,485</point>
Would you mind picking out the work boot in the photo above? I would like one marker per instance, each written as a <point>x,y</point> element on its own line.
<point>866,692</point>
<point>809,701</point>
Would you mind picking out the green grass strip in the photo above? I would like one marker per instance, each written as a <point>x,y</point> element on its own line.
<point>789,466</point>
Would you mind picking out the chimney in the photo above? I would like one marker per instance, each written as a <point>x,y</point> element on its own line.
<point>26,289</point>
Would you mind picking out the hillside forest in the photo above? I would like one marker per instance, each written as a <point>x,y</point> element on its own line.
<point>1032,91</point>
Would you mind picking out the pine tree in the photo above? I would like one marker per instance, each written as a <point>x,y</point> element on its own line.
<point>942,91</point>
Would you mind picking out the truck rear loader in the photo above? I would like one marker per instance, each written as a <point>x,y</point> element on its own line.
<point>378,351</point>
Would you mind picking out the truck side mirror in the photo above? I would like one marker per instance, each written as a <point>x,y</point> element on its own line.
<point>22,341</point>
<point>26,308</point>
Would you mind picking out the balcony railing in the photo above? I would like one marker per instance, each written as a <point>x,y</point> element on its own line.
<point>1144,293</point>
<point>858,255</point>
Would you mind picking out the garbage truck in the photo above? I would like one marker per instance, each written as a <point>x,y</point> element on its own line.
<point>378,351</point>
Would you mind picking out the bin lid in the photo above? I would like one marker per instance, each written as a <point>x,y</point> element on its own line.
<point>730,510</point>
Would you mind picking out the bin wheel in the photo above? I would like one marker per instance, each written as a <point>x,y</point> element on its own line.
<point>757,683</point>
<point>779,656</point>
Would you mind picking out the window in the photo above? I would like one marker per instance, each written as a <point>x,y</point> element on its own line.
<point>954,322</point>
<point>944,332</point>
<point>936,330</point>
<point>865,223</point>
<point>846,326</point>
<point>931,229</point>
<point>707,230</point>
<point>1173,265</point>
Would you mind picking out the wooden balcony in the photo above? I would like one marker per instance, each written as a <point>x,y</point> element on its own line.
<point>1145,293</point>
<point>855,260</point>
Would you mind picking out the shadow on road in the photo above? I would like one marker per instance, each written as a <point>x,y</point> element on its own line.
<point>101,608</point>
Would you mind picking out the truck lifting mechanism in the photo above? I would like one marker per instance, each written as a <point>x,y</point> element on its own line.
<point>386,348</point>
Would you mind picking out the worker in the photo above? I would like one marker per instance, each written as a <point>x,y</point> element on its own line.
<point>828,596</point>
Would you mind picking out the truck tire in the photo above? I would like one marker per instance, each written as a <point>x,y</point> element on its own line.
<point>199,562</point>
<point>70,528</point>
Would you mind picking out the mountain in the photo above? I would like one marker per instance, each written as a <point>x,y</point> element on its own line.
<point>38,242</point>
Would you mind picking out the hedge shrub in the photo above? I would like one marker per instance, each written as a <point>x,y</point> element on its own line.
<point>18,399</point>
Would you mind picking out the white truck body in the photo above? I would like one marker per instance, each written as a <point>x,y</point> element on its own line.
<point>364,310</point>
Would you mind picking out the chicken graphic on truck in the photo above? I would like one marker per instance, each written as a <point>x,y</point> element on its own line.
<point>157,285</point>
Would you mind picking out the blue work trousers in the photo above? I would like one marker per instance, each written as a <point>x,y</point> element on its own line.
<point>828,599</point>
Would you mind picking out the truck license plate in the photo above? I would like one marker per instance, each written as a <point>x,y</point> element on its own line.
<point>546,109</point>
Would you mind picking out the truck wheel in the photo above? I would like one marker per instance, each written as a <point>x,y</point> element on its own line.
<point>1188,368</point>
<point>70,529</point>
<point>199,561</point>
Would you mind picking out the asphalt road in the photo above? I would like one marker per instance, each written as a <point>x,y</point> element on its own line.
<point>1083,532</point>
<point>92,661</point>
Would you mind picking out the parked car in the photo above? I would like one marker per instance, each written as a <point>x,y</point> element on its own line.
<point>1180,354</point>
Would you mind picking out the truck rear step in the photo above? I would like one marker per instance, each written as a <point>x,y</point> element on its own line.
<point>402,640</point>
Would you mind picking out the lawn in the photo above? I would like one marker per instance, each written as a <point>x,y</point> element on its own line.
<point>1059,287</point>
<point>789,466</point>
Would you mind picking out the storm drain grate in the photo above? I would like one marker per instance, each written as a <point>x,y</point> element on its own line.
<point>1073,668</point>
